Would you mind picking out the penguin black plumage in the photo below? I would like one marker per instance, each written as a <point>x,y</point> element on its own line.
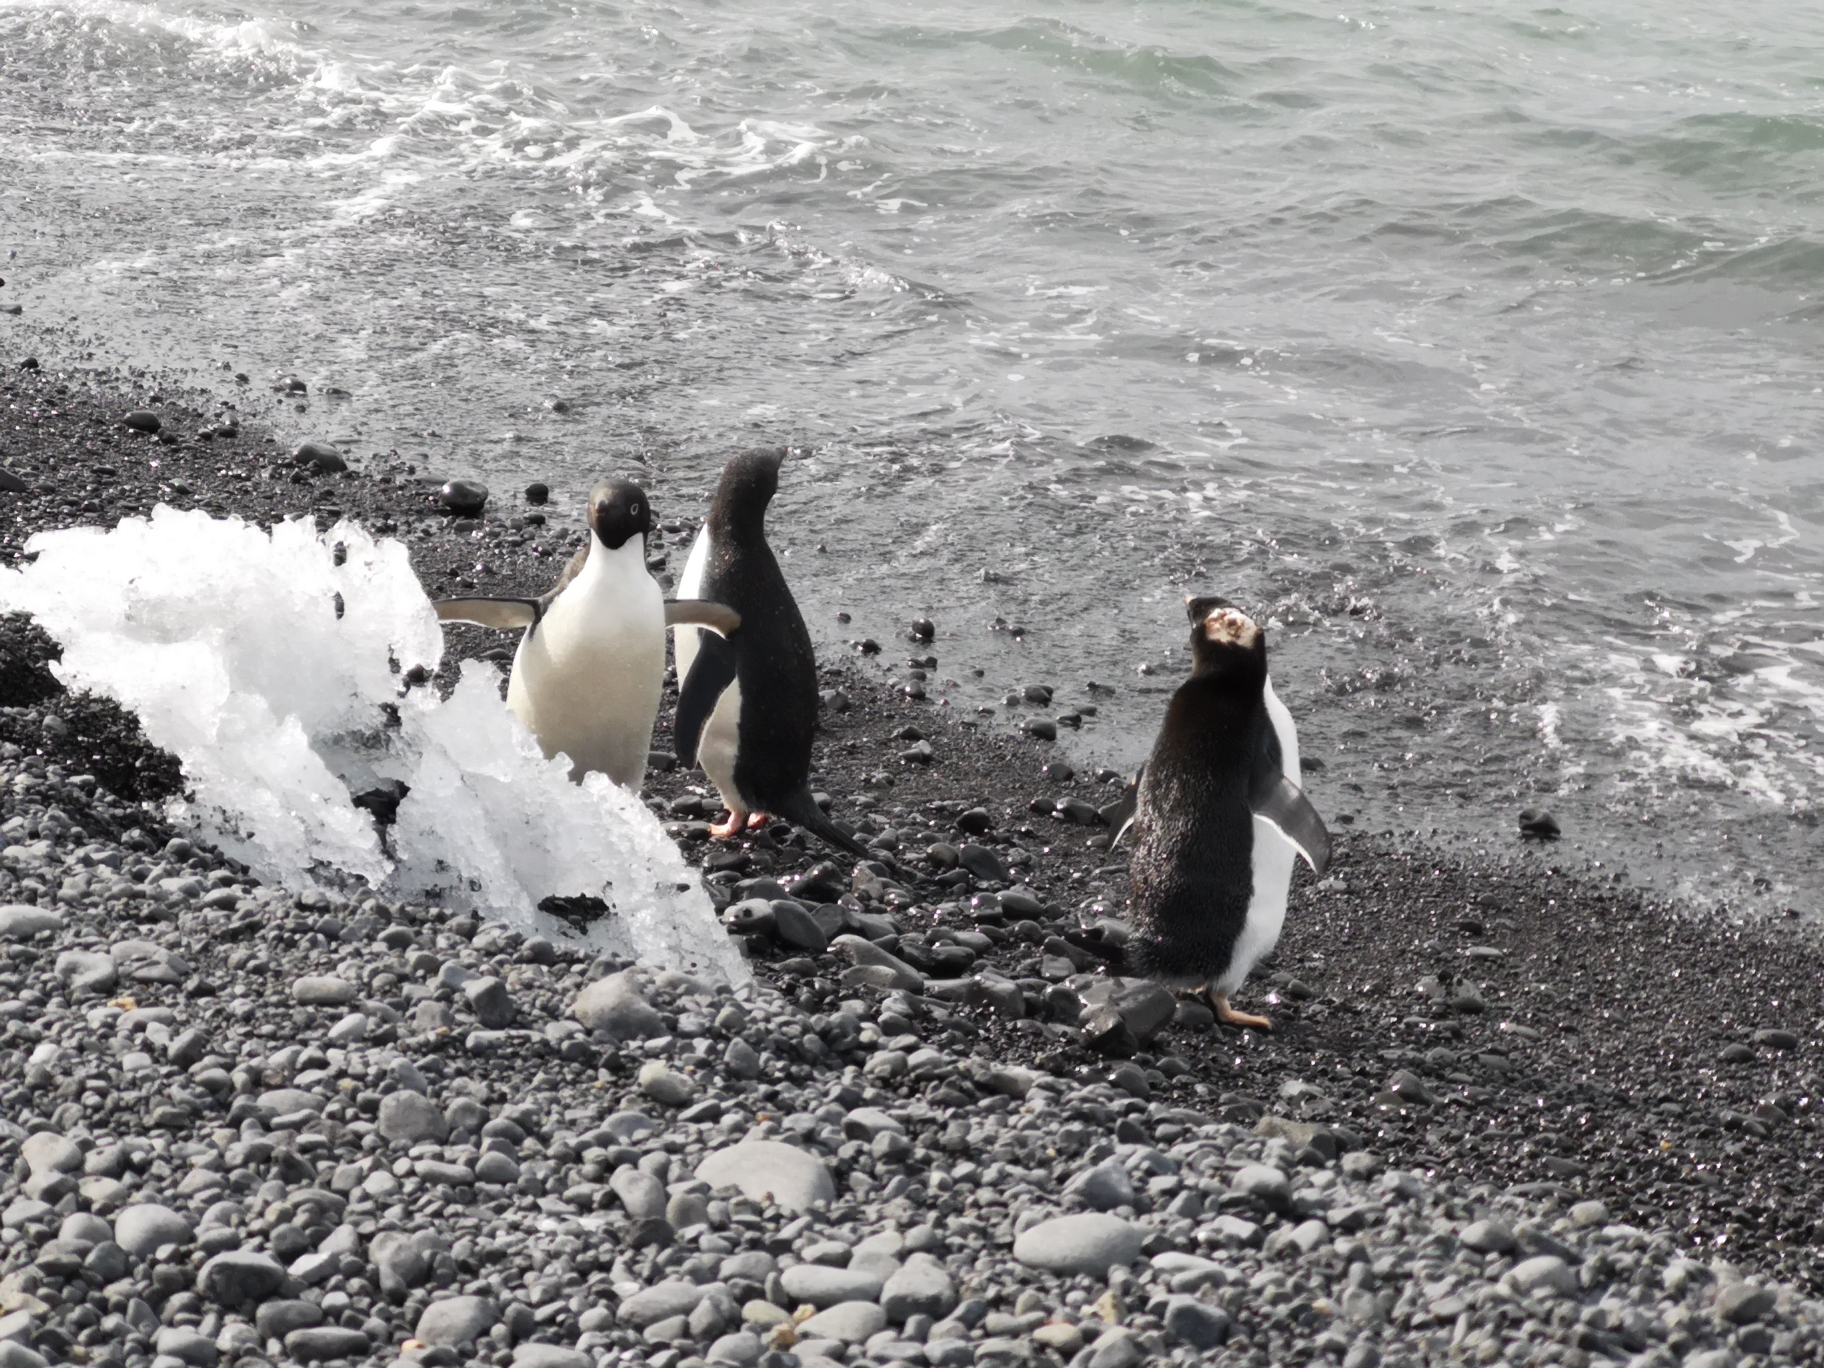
<point>1219,819</point>
<point>747,703</point>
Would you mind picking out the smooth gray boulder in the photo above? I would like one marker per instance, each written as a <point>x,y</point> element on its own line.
<point>47,1152</point>
<point>765,1169</point>
<point>1104,1187</point>
<point>323,990</point>
<point>411,1118</point>
<point>614,1004</point>
<point>824,1287</point>
<point>550,1356</point>
<point>921,1287</point>
<point>661,1301</point>
<point>143,1227</point>
<point>1089,1242</point>
<point>239,1277</point>
<point>22,921</point>
<point>852,1322</point>
<point>642,1195</point>
<point>457,1320</point>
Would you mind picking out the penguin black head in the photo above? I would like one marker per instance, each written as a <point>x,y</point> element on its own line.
<point>618,512</point>
<point>747,486</point>
<point>1224,639</point>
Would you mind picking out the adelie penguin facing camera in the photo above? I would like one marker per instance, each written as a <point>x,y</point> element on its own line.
<point>591,665</point>
<point>747,702</point>
<point>1219,818</point>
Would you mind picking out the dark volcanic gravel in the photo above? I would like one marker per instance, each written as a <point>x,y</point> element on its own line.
<point>1509,1113</point>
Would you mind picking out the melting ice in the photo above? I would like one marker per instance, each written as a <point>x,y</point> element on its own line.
<point>272,666</point>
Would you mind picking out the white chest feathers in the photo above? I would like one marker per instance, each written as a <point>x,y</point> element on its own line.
<point>1272,862</point>
<point>587,678</point>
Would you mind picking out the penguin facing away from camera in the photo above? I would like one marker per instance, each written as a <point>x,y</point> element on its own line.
<point>591,666</point>
<point>747,701</point>
<point>1219,819</point>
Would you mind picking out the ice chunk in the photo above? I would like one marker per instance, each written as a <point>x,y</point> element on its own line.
<point>271,664</point>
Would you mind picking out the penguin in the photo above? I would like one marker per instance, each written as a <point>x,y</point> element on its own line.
<point>747,701</point>
<point>1219,819</point>
<point>591,666</point>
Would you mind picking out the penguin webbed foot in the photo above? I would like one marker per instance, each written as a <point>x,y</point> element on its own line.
<point>1230,1017</point>
<point>734,826</point>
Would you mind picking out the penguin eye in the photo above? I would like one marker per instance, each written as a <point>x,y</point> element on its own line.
<point>634,509</point>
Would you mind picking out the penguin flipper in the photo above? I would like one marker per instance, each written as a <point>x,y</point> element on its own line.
<point>802,811</point>
<point>1284,804</point>
<point>503,614</point>
<point>702,613</point>
<point>710,675</point>
<point>1121,815</point>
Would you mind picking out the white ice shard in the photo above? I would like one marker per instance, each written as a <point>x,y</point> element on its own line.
<point>271,665</point>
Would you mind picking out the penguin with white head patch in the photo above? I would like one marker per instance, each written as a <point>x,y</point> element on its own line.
<point>747,702</point>
<point>1219,818</point>
<point>591,666</point>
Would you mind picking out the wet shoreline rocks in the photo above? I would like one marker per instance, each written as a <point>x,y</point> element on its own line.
<point>943,1127</point>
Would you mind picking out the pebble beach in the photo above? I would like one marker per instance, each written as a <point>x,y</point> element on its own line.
<point>1509,1113</point>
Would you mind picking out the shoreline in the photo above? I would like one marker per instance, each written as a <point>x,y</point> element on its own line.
<point>1516,1035</point>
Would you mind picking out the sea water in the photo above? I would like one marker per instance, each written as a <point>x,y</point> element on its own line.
<point>1474,346</point>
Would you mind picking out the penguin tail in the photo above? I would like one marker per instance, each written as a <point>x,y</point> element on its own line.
<point>801,810</point>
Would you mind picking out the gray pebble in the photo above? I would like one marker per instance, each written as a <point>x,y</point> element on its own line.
<point>456,1320</point>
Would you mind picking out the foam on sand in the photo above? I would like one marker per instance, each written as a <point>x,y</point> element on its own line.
<point>274,666</point>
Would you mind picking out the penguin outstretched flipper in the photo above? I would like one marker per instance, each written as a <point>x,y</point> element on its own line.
<point>1121,816</point>
<point>503,614</point>
<point>1284,804</point>
<point>717,617</point>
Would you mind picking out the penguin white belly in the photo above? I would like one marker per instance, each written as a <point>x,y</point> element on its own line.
<point>587,678</point>
<point>717,747</point>
<point>690,586</point>
<point>720,743</point>
<point>1272,863</point>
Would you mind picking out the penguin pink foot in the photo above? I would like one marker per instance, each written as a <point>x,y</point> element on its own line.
<point>758,820</point>
<point>1229,1016</point>
<point>734,826</point>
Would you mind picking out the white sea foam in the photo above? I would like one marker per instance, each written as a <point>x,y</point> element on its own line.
<point>272,666</point>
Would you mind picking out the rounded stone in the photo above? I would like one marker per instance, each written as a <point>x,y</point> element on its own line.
<point>665,1085</point>
<point>1090,1242</point>
<point>239,1277</point>
<point>464,498</point>
<point>143,1227</point>
<point>824,1287</point>
<point>457,1320</point>
<point>1264,1183</point>
<point>920,1287</point>
<point>323,990</point>
<point>661,1301</point>
<point>550,1356</point>
<point>320,457</point>
<point>322,1342</point>
<point>22,921</point>
<point>1543,1273</point>
<point>142,420</point>
<point>411,1118</point>
<point>1487,1237</point>
<point>614,1004</point>
<point>48,1152</point>
<point>852,1322</point>
<point>765,1169</point>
